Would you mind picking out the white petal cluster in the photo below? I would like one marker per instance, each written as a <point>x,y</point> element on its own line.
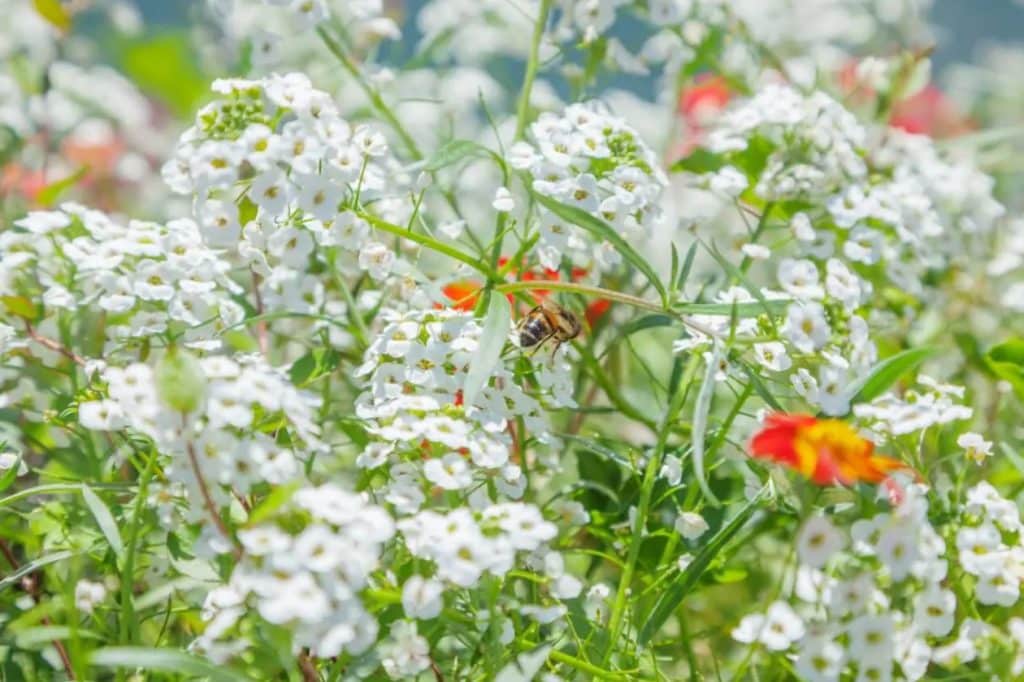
<point>588,158</point>
<point>147,277</point>
<point>416,369</point>
<point>303,174</point>
<point>305,573</point>
<point>222,438</point>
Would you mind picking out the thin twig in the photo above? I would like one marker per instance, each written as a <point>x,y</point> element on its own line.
<point>306,667</point>
<point>52,345</point>
<point>211,508</point>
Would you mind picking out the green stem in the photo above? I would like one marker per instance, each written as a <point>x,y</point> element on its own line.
<point>615,622</point>
<point>532,64</point>
<point>371,92</point>
<point>430,243</point>
<point>129,622</point>
<point>581,665</point>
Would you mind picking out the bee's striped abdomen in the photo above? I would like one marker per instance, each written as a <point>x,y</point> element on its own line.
<point>532,332</point>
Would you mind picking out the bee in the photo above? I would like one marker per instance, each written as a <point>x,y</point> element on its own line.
<point>547,321</point>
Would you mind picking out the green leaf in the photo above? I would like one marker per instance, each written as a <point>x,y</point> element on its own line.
<point>48,195</point>
<point>19,306</point>
<point>886,373</point>
<point>603,230</point>
<point>698,161</point>
<point>53,12</point>
<point>165,65</point>
<point>304,369</point>
<point>684,274</point>
<point>1006,361</point>
<point>759,386</point>
<point>277,498</point>
<point>592,446</point>
<point>163,660</point>
<point>33,566</point>
<point>10,475</point>
<point>700,424</point>
<point>492,341</point>
<point>104,519</point>
<point>673,596</point>
<point>44,634</point>
<point>454,151</point>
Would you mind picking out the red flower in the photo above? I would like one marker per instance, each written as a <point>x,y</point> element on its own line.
<point>463,294</point>
<point>827,451</point>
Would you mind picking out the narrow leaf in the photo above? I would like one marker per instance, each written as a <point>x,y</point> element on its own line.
<point>48,195</point>
<point>673,596</point>
<point>44,634</point>
<point>164,660</point>
<point>700,424</point>
<point>684,274</point>
<point>454,151</point>
<point>603,230</point>
<point>33,566</point>
<point>104,519</point>
<point>886,373</point>
<point>492,341</point>
<point>748,309</point>
<point>8,476</point>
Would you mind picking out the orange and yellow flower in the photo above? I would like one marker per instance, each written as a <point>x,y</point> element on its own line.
<point>827,451</point>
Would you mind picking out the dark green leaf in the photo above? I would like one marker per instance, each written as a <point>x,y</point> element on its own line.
<point>163,660</point>
<point>33,566</point>
<point>886,373</point>
<point>603,230</point>
<point>673,596</point>
<point>8,476</point>
<point>684,274</point>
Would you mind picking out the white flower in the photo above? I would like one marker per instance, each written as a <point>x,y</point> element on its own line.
<point>690,525</point>
<point>772,355</point>
<point>88,594</point>
<point>935,611</point>
<point>800,278</point>
<point>595,602</point>
<point>820,659</point>
<point>101,415</point>
<point>871,638</point>
<point>817,541</point>
<point>976,546</point>
<point>503,200</point>
<point>672,470</point>
<point>852,596</point>
<point>405,653</point>
<point>377,259</point>
<point>777,629</point>
<point>451,472</point>
<point>976,448</point>
<point>756,251</point>
<point>806,326</point>
<point>422,598</point>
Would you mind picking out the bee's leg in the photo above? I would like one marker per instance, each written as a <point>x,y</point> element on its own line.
<point>537,346</point>
<point>554,352</point>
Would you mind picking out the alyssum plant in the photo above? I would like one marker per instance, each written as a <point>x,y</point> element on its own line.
<point>544,383</point>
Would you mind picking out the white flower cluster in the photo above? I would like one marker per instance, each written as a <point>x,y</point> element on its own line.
<point>588,158</point>
<point>416,369</point>
<point>304,573</point>
<point>930,404</point>
<point>881,597</point>
<point>227,437</point>
<point>279,179</point>
<point>464,545</point>
<point>817,141</point>
<point>147,277</point>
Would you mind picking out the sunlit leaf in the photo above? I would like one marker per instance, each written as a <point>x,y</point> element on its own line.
<point>886,373</point>
<point>492,341</point>
<point>163,660</point>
